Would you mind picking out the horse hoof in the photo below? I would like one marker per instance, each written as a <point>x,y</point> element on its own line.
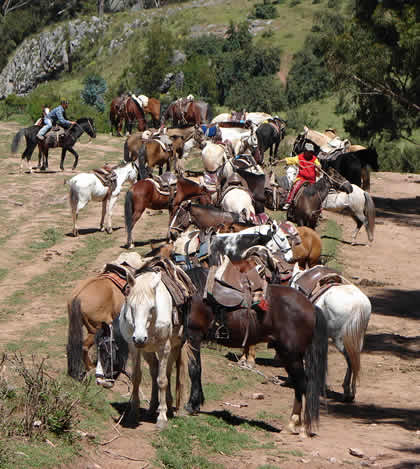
<point>161,424</point>
<point>109,230</point>
<point>190,410</point>
<point>101,228</point>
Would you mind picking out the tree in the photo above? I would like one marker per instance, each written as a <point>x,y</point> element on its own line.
<point>377,60</point>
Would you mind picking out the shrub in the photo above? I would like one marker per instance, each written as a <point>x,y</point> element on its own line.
<point>93,92</point>
<point>297,118</point>
<point>265,11</point>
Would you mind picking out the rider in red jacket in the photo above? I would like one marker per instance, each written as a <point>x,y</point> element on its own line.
<point>308,169</point>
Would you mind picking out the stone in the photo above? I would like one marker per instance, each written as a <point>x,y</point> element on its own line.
<point>258,396</point>
<point>356,452</point>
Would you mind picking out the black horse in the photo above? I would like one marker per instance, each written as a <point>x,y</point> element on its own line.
<point>66,142</point>
<point>354,166</point>
<point>269,136</point>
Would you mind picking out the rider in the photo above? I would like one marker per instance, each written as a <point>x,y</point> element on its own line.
<point>54,117</point>
<point>309,168</point>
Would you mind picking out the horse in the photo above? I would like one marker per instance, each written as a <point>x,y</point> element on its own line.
<point>153,108</point>
<point>88,186</point>
<point>255,117</point>
<point>116,114</point>
<point>354,166</point>
<point>94,301</point>
<point>203,217</point>
<point>347,311</point>
<point>145,194</point>
<point>234,244</point>
<point>306,207</point>
<point>358,204</point>
<point>147,325</point>
<point>66,142</point>
<point>132,111</point>
<point>290,323</point>
<point>192,112</point>
<point>269,135</point>
<point>239,200</point>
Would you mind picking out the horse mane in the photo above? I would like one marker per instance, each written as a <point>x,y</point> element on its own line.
<point>83,120</point>
<point>312,189</point>
<point>198,276</point>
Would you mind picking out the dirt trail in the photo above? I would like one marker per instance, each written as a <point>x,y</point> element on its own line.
<point>384,422</point>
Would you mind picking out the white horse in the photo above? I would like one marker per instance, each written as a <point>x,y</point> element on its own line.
<point>347,311</point>
<point>237,135</point>
<point>213,156</point>
<point>254,117</point>
<point>147,326</point>
<point>359,205</point>
<point>86,186</point>
<point>239,201</point>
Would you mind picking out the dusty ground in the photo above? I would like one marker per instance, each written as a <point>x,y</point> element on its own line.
<point>384,422</point>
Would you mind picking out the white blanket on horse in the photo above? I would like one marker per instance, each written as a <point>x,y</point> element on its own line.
<point>158,188</point>
<point>141,100</point>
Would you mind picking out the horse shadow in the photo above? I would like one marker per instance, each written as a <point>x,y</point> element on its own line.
<point>235,420</point>
<point>87,231</point>
<point>138,244</point>
<point>343,241</point>
<point>143,416</point>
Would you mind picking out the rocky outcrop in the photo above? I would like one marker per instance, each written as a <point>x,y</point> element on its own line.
<point>47,54</point>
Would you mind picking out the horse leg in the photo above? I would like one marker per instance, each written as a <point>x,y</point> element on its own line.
<point>162,381</point>
<point>349,391</point>
<point>153,363</point>
<point>104,210</point>
<point>194,369</point>
<point>76,158</point>
<point>248,355</point>
<point>296,372</point>
<point>136,217</point>
<point>110,206</point>
<point>136,379</point>
<point>87,344</point>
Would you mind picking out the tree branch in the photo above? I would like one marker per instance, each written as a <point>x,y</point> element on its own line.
<point>384,90</point>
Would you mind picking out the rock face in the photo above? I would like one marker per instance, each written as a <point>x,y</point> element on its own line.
<point>45,55</point>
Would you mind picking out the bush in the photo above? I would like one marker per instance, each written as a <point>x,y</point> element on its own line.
<point>297,118</point>
<point>93,92</point>
<point>265,11</point>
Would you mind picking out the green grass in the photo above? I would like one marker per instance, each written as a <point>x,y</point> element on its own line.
<point>49,237</point>
<point>192,442</point>
<point>331,234</point>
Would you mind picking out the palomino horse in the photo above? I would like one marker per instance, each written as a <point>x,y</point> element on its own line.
<point>66,141</point>
<point>290,323</point>
<point>94,301</point>
<point>145,194</point>
<point>306,208</point>
<point>88,186</point>
<point>358,204</point>
<point>146,323</point>
<point>347,312</point>
<point>191,113</point>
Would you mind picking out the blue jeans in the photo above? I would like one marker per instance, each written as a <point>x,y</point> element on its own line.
<point>47,126</point>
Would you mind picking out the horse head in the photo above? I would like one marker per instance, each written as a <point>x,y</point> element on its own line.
<point>279,243</point>
<point>87,125</point>
<point>112,354</point>
<point>142,312</point>
<point>180,221</point>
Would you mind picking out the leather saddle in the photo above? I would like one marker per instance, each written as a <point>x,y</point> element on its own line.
<point>166,180</point>
<point>107,176</point>
<point>54,135</point>
<point>314,282</point>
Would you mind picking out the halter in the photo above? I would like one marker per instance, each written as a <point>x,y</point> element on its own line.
<point>281,248</point>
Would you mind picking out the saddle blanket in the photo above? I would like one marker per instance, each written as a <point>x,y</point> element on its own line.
<point>209,131</point>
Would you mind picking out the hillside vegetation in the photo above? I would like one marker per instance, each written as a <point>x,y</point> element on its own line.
<point>276,56</point>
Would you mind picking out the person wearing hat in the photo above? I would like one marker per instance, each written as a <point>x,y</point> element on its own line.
<point>309,167</point>
<point>54,117</point>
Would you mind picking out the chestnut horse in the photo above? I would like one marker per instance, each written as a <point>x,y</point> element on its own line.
<point>290,323</point>
<point>124,108</point>
<point>145,194</point>
<point>191,113</point>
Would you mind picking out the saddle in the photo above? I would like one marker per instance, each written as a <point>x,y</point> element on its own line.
<point>54,135</point>
<point>316,281</point>
<point>229,289</point>
<point>278,193</point>
<point>194,251</point>
<point>238,116</point>
<point>299,192</point>
<point>107,176</point>
<point>118,275</point>
<point>166,181</point>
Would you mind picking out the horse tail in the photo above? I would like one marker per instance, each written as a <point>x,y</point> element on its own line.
<point>370,212</point>
<point>16,140</point>
<point>75,367</point>
<point>353,337</point>
<point>316,361</point>
<point>128,211</point>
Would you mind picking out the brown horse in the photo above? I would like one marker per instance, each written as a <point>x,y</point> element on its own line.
<point>289,322</point>
<point>145,194</point>
<point>186,114</point>
<point>153,108</point>
<point>116,114</point>
<point>306,207</point>
<point>125,109</point>
<point>94,301</point>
